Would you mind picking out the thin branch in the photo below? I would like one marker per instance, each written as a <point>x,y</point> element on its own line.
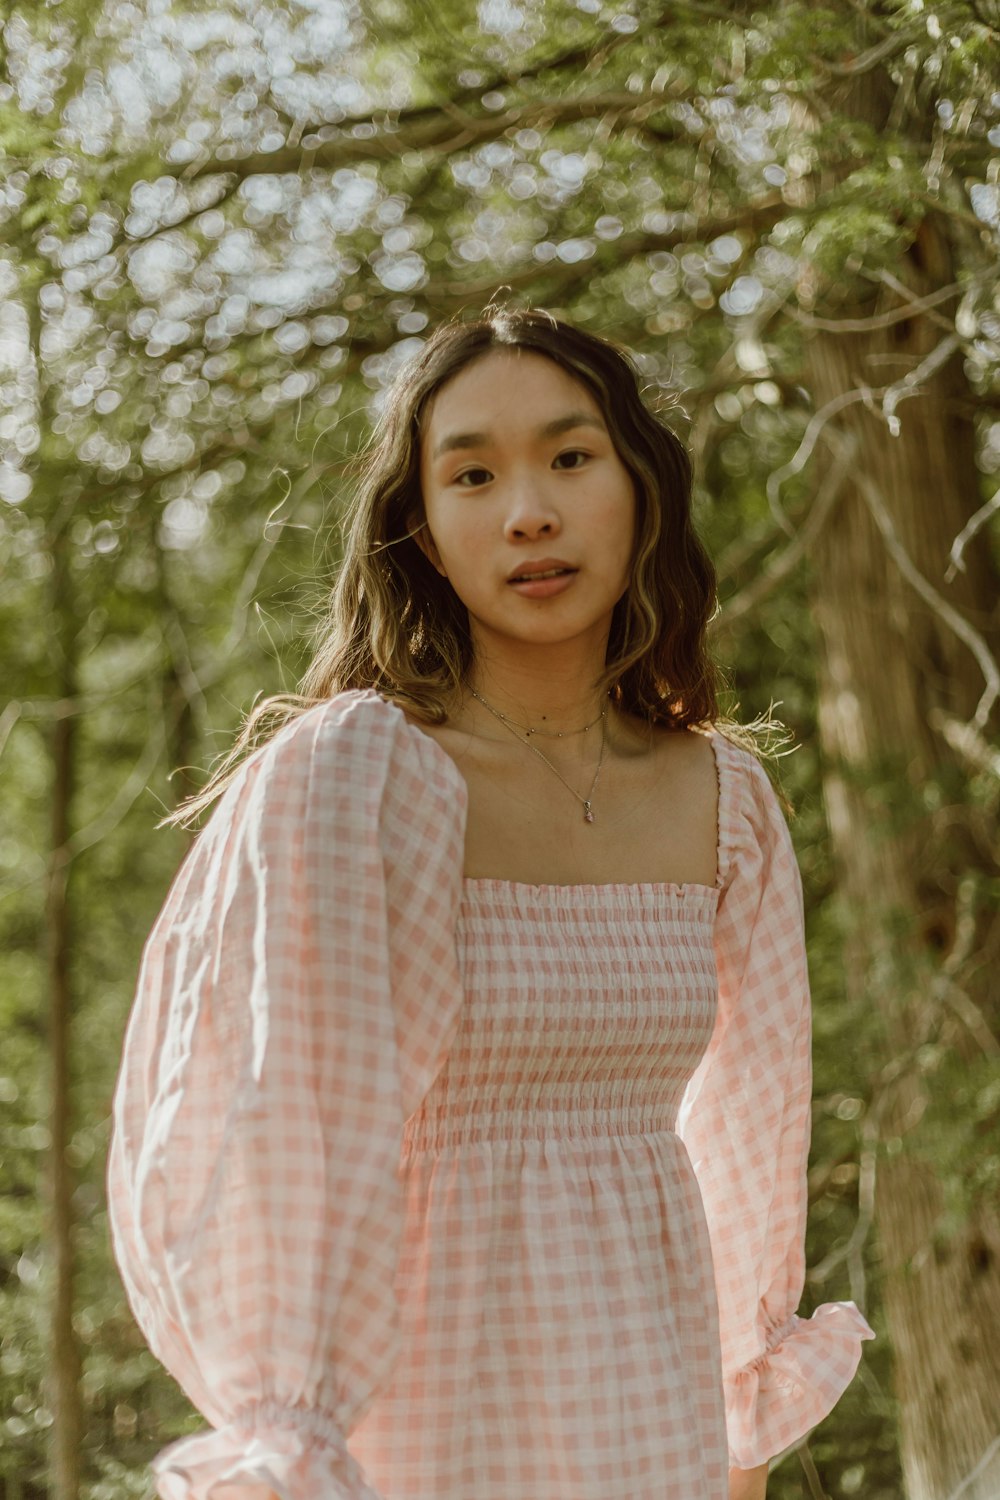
<point>9,717</point>
<point>176,642</point>
<point>803,452</point>
<point>426,127</point>
<point>971,1017</point>
<point>852,1249</point>
<point>779,567</point>
<point>756,216</point>
<point>935,162</point>
<point>867,1172</point>
<point>939,205</point>
<point>896,1069</point>
<point>730,17</point>
<point>913,379</point>
<point>897,41</point>
<point>877,320</point>
<point>270,535</point>
<point>975,1473</point>
<point>49,710</point>
<point>816,1490</point>
<point>965,632</point>
<point>975,523</point>
<point>120,804</point>
<point>890,395</point>
<point>448,129</point>
<point>945,987</point>
<point>127,794</point>
<point>588,56</point>
<point>224,191</point>
<point>966,740</point>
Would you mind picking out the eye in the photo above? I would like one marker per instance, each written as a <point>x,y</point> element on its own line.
<point>477,476</point>
<point>571,453</point>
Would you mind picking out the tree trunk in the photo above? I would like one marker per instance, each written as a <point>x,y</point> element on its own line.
<point>62,1382</point>
<point>893,676</point>
<point>64,1368</point>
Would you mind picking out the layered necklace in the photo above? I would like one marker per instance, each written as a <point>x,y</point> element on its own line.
<point>588,813</point>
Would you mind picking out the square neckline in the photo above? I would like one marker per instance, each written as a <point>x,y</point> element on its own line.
<point>490,884</point>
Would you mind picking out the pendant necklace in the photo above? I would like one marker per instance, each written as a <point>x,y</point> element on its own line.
<point>588,814</point>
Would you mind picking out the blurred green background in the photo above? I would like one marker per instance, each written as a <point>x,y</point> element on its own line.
<point>223,228</point>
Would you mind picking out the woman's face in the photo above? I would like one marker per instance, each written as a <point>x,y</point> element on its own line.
<point>517,466</point>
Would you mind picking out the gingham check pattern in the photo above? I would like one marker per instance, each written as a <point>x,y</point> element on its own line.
<point>394,1222</point>
<point>745,1120</point>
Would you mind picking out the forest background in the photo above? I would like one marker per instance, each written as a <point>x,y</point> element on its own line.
<point>224,225</point>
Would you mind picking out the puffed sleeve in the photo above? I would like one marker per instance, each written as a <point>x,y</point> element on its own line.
<point>296,997</point>
<point>745,1120</point>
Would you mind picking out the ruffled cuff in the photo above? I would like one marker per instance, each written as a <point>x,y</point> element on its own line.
<point>294,1453</point>
<point>777,1398</point>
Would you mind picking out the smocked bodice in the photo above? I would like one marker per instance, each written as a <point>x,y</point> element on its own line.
<point>586,1009</point>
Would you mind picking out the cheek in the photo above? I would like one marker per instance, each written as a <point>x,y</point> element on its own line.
<point>631,530</point>
<point>621,517</point>
<point>460,535</point>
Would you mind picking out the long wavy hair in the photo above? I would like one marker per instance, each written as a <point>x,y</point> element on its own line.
<point>395,625</point>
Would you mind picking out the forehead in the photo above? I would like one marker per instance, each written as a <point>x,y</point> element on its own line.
<point>510,380</point>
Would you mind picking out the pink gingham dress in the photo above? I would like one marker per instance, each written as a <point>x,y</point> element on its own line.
<point>430,1188</point>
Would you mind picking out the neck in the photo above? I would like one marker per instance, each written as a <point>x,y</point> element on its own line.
<point>551,695</point>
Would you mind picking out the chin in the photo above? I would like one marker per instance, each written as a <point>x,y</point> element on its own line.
<point>550,633</point>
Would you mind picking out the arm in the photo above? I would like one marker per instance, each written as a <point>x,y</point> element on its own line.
<point>296,997</point>
<point>745,1120</point>
<point>748,1484</point>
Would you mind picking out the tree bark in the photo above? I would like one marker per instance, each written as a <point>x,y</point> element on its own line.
<point>891,669</point>
<point>62,1381</point>
<point>64,1369</point>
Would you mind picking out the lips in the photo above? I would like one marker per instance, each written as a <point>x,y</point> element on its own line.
<point>544,566</point>
<point>542,585</point>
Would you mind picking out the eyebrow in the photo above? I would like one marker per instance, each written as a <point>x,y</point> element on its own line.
<point>551,429</point>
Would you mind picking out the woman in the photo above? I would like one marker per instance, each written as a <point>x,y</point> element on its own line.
<point>461,1130</point>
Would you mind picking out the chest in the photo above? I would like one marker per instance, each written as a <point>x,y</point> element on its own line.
<point>655,819</point>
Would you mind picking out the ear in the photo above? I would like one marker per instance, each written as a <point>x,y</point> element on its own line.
<point>419,531</point>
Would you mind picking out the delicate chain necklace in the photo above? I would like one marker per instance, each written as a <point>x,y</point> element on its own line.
<point>588,815</point>
<point>558,734</point>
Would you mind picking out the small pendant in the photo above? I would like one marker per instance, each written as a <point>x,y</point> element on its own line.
<point>588,816</point>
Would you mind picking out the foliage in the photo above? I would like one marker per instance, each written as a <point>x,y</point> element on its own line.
<point>224,227</point>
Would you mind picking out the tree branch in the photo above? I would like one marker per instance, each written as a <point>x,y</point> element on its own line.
<point>758,216</point>
<point>877,320</point>
<point>975,523</point>
<point>447,129</point>
<point>897,41</point>
<point>776,568</point>
<point>910,385</point>
<point>803,452</point>
<point>975,1472</point>
<point>945,611</point>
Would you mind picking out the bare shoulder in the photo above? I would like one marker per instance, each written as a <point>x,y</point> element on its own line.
<point>693,764</point>
<point>683,752</point>
<point>439,732</point>
<point>418,723</point>
<point>682,764</point>
<point>456,741</point>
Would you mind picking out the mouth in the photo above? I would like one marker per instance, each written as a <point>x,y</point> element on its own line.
<point>536,577</point>
<point>543,585</point>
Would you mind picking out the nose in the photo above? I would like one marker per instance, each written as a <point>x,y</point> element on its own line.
<point>529,514</point>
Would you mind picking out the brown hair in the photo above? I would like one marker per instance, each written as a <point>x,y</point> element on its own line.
<point>395,625</point>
